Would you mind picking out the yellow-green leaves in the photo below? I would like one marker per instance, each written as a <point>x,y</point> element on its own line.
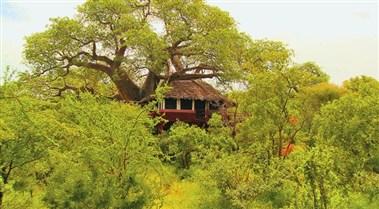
<point>362,85</point>
<point>266,55</point>
<point>352,123</point>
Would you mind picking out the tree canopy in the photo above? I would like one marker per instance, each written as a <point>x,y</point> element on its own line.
<point>136,44</point>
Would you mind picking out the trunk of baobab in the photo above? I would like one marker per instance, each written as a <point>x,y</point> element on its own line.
<point>129,91</point>
<point>151,83</point>
<point>177,63</point>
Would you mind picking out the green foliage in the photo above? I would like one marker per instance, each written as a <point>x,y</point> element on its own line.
<point>362,85</point>
<point>352,125</point>
<point>139,43</point>
<point>72,143</point>
<point>314,71</point>
<point>220,135</point>
<point>335,139</point>
<point>113,147</point>
<point>266,55</point>
<point>88,151</point>
<point>193,145</point>
<point>184,141</point>
<point>297,141</point>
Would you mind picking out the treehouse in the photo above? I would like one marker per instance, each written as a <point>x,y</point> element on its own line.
<point>192,101</point>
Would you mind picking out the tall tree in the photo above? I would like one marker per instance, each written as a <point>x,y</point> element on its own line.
<point>278,107</point>
<point>139,43</point>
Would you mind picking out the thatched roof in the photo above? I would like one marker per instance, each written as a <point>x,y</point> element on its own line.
<point>193,89</point>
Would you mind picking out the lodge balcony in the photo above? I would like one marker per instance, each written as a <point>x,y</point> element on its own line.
<point>190,111</point>
<point>188,116</point>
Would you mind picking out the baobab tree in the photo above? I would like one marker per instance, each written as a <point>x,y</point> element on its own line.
<point>138,43</point>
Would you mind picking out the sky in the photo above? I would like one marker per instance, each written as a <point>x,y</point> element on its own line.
<point>339,35</point>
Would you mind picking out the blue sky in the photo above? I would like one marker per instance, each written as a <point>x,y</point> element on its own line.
<point>340,35</point>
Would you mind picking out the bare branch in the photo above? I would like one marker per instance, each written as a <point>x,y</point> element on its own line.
<point>94,66</point>
<point>100,58</point>
<point>201,67</point>
<point>176,76</point>
<point>7,174</point>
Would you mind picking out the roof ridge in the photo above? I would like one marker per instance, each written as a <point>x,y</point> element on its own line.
<point>194,89</point>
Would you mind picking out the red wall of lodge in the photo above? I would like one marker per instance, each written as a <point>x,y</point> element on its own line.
<point>188,116</point>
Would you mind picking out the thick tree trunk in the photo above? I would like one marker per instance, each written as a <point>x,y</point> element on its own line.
<point>150,84</point>
<point>177,63</point>
<point>127,89</point>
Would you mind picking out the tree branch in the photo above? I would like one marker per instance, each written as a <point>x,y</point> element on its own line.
<point>119,56</point>
<point>176,76</point>
<point>201,67</point>
<point>100,58</point>
<point>7,174</point>
<point>95,66</point>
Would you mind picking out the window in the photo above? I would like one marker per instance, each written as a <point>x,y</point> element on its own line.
<point>170,103</point>
<point>186,104</point>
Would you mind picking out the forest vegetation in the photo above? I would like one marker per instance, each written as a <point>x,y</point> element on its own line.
<point>73,133</point>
